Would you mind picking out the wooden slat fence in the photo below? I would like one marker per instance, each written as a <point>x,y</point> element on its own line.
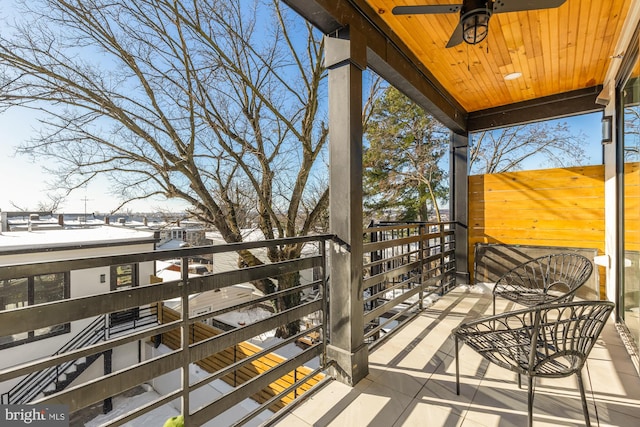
<point>561,207</point>
<point>200,331</point>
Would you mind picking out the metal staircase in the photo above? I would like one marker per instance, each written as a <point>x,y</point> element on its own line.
<point>56,378</point>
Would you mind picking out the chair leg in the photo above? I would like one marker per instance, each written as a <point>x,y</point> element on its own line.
<point>519,381</point>
<point>494,304</point>
<point>457,368</point>
<point>530,400</point>
<point>585,408</point>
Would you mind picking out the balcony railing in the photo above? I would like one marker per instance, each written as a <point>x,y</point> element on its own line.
<point>404,264</point>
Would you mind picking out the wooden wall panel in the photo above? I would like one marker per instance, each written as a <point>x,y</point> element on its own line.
<point>215,362</point>
<point>552,207</point>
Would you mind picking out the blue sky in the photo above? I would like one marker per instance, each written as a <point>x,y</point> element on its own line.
<point>590,126</point>
<point>25,183</point>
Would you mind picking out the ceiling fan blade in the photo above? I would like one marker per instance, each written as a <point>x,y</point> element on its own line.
<point>426,9</point>
<point>502,6</point>
<point>456,37</point>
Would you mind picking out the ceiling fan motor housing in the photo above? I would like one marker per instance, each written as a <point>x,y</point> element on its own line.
<point>474,17</point>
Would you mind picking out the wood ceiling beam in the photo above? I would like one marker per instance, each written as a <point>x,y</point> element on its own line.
<point>554,106</point>
<point>387,55</point>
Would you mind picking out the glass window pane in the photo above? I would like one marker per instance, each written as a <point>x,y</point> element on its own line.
<point>14,293</point>
<point>630,298</point>
<point>124,275</point>
<point>48,288</point>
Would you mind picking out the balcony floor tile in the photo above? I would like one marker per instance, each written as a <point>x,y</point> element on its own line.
<point>411,381</point>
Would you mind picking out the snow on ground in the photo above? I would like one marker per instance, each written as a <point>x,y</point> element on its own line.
<point>209,392</point>
<point>122,405</point>
<point>244,316</point>
<point>198,398</point>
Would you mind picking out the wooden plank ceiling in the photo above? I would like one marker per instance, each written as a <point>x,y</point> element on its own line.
<point>556,50</point>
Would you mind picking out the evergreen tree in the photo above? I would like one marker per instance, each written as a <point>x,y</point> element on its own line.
<point>403,177</point>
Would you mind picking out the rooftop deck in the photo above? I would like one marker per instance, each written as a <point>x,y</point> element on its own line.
<point>411,381</point>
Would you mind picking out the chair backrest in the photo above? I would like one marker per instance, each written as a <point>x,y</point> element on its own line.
<point>560,274</point>
<point>564,335</point>
<point>549,340</point>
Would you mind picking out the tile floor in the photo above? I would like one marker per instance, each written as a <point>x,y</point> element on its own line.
<point>411,382</point>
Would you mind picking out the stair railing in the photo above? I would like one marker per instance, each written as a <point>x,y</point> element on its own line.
<point>37,382</point>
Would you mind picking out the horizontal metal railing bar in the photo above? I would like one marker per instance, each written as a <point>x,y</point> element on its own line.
<point>406,242</point>
<point>141,410</point>
<point>64,311</point>
<point>215,408</point>
<point>435,279</point>
<point>249,274</point>
<point>26,368</point>
<point>390,232</point>
<point>255,301</point>
<point>423,247</point>
<point>439,255</point>
<point>411,238</point>
<point>376,312</point>
<point>215,344</point>
<point>222,372</point>
<point>386,244</point>
<point>390,288</point>
<point>38,380</point>
<point>28,269</point>
<point>395,258</point>
<point>405,225</point>
<point>97,390</point>
<point>390,274</point>
<point>252,414</point>
<point>378,328</point>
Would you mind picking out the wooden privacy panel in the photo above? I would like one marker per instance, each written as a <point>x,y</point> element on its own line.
<point>561,207</point>
<point>200,331</point>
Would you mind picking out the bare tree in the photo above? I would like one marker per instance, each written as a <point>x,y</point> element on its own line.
<point>506,149</point>
<point>213,102</point>
<point>631,150</point>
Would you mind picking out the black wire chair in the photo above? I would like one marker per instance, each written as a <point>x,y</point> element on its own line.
<point>553,278</point>
<point>550,340</point>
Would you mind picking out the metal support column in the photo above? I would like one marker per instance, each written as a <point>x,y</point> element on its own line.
<point>345,58</point>
<point>107,404</point>
<point>460,203</point>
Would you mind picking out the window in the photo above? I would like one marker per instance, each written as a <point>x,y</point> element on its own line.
<point>178,234</point>
<point>629,162</point>
<point>26,291</point>
<point>124,276</point>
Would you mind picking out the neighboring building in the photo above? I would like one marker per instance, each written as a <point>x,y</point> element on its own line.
<point>191,232</point>
<point>46,244</point>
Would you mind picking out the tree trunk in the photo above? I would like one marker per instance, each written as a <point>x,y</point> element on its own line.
<point>285,302</point>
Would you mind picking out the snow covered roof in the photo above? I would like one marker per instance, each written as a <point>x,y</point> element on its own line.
<point>46,239</point>
<point>172,244</point>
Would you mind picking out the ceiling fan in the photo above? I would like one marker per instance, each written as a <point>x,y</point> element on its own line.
<point>473,26</point>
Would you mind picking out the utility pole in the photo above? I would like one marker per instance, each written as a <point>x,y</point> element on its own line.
<point>84,199</point>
